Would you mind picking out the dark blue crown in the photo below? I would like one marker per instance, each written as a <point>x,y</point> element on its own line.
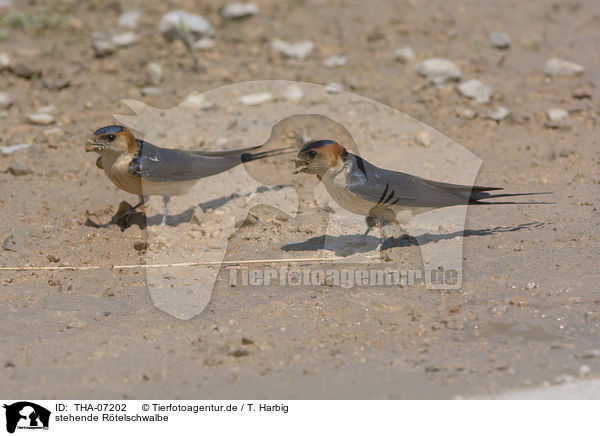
<point>108,129</point>
<point>317,144</point>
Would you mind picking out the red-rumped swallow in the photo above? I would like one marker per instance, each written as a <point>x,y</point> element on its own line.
<point>380,195</point>
<point>144,169</point>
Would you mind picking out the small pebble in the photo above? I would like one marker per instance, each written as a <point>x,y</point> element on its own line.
<point>76,324</point>
<point>293,93</point>
<point>439,70</point>
<point>422,138</point>
<point>334,88</point>
<point>204,44</point>
<point>151,90</point>
<point>592,354</point>
<point>466,113</point>
<point>17,169</point>
<point>108,293</point>
<point>52,258</point>
<point>124,39</point>
<point>255,99</point>
<point>25,70</point>
<point>299,50</point>
<point>239,10</point>
<point>171,23</point>
<point>140,244</point>
<point>8,149</point>
<point>580,93</point>
<point>476,90</point>
<point>335,61</point>
<point>557,114</point>
<point>4,61</point>
<point>103,48</point>
<point>5,100</point>
<point>499,40</point>
<point>129,20</point>
<point>584,371</point>
<point>40,118</point>
<point>498,113</point>
<point>404,55</point>
<point>154,73</point>
<point>561,67</point>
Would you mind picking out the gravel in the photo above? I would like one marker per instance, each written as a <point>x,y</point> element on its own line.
<point>196,25</point>
<point>103,48</point>
<point>154,73</point>
<point>293,93</point>
<point>498,113</point>
<point>234,11</point>
<point>5,100</point>
<point>335,61</point>
<point>557,114</point>
<point>475,90</point>
<point>4,61</point>
<point>124,39</point>
<point>9,149</point>
<point>404,55</point>
<point>255,99</point>
<point>499,40</point>
<point>40,118</point>
<point>299,50</point>
<point>439,70</point>
<point>561,67</point>
<point>129,20</point>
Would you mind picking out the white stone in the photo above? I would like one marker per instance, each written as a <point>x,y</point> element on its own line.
<point>204,44</point>
<point>335,61</point>
<point>334,88</point>
<point>151,90</point>
<point>499,40</point>
<point>40,118</point>
<point>560,67</point>
<point>154,72</point>
<point>476,90</point>
<point>129,20</point>
<point>5,100</point>
<point>439,70</point>
<point>422,138</point>
<point>255,99</point>
<point>557,114</point>
<point>124,39</point>
<point>498,113</point>
<point>239,10</point>
<point>8,149</point>
<point>404,55</point>
<point>4,61</point>
<point>299,50</point>
<point>293,93</point>
<point>171,23</point>
<point>103,48</point>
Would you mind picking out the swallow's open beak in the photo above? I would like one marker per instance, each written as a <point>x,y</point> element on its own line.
<point>301,165</point>
<point>91,145</point>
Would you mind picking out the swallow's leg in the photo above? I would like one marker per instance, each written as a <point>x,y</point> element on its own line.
<point>370,224</point>
<point>167,200</point>
<point>142,200</point>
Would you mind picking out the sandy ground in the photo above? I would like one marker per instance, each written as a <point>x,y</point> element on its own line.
<point>528,311</point>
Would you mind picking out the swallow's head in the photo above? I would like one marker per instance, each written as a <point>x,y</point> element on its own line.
<point>320,156</point>
<point>113,139</point>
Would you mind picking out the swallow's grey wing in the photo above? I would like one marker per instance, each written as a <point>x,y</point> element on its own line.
<point>167,165</point>
<point>386,188</point>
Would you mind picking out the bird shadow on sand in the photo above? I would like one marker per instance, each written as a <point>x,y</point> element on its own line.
<point>125,217</point>
<point>346,245</point>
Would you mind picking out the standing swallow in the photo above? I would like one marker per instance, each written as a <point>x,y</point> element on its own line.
<point>144,169</point>
<point>380,195</point>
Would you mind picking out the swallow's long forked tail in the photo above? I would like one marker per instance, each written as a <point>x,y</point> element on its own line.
<point>248,157</point>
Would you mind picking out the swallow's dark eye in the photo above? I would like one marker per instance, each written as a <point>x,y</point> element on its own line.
<point>312,154</point>
<point>111,137</point>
